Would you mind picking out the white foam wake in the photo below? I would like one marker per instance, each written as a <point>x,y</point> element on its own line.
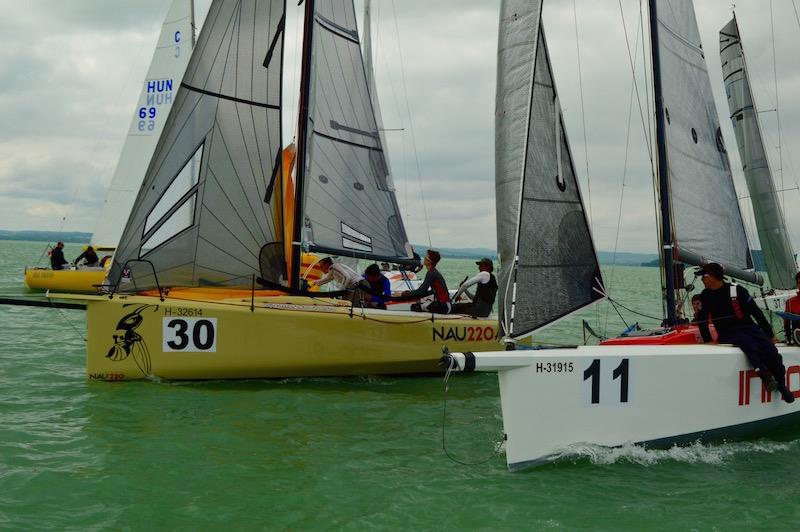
<point>696,453</point>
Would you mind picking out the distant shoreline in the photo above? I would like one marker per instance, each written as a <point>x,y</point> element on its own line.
<point>607,258</point>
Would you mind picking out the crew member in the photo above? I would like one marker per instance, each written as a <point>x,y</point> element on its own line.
<point>89,256</point>
<point>732,310</point>
<point>793,306</point>
<point>432,284</point>
<point>345,276</point>
<point>485,292</point>
<point>377,285</point>
<point>57,260</point>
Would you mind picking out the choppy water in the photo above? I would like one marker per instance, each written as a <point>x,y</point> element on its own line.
<point>353,453</point>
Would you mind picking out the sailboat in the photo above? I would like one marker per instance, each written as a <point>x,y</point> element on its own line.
<point>645,389</point>
<point>769,219</point>
<point>171,55</point>
<point>207,280</point>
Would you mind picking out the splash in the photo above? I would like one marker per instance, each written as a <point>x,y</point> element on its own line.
<point>696,453</point>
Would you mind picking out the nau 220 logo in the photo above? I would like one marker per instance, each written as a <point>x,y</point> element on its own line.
<point>189,335</point>
<point>467,333</point>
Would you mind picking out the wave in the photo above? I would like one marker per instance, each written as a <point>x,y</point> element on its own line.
<point>696,453</point>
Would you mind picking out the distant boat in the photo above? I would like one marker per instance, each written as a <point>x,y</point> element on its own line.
<point>645,388</point>
<point>770,223</point>
<point>171,55</point>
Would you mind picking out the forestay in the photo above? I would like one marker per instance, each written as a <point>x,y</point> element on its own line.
<point>706,216</point>
<point>556,272</point>
<point>349,205</point>
<point>768,214</point>
<point>204,215</point>
<point>172,53</point>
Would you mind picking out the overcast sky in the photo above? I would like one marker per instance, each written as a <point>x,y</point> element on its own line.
<point>70,73</point>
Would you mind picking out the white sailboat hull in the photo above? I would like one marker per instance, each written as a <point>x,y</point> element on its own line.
<point>658,396</point>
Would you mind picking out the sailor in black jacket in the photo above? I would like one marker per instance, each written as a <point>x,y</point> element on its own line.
<point>732,310</point>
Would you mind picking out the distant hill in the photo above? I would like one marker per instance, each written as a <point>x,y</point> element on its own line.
<point>75,237</point>
<point>626,259</point>
<point>758,261</point>
<point>459,253</point>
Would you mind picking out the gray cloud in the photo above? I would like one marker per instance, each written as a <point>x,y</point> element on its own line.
<point>70,73</point>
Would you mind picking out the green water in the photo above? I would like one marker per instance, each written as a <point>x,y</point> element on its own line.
<point>355,453</point>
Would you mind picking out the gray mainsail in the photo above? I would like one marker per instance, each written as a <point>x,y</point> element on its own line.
<point>706,217</point>
<point>205,212</point>
<point>550,267</point>
<point>348,200</point>
<point>768,214</point>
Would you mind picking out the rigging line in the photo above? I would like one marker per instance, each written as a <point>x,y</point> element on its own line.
<point>624,176</point>
<point>796,15</point>
<point>632,61</point>
<point>411,123</point>
<point>72,325</point>
<point>777,102</point>
<point>583,112</point>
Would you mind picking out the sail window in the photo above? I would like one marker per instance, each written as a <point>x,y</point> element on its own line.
<point>353,239</point>
<point>180,220</point>
<point>181,184</point>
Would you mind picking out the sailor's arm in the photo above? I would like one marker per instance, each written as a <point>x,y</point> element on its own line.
<point>480,277</point>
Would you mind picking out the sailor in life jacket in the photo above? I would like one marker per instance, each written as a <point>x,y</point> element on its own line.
<point>732,310</point>
<point>792,328</point>
<point>485,291</point>
<point>433,283</point>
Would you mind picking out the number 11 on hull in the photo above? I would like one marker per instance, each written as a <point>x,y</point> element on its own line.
<point>556,399</point>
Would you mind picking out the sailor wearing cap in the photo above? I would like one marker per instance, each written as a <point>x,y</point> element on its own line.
<point>485,292</point>
<point>732,311</point>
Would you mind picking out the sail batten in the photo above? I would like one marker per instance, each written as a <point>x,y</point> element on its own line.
<point>550,267</point>
<point>212,223</point>
<point>770,223</point>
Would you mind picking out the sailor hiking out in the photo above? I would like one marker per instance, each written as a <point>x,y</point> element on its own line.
<point>732,310</point>
<point>485,291</point>
<point>433,283</point>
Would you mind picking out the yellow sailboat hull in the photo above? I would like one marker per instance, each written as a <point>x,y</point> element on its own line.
<point>71,281</point>
<point>133,337</point>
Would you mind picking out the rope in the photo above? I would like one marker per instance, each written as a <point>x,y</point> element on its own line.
<point>450,369</point>
<point>72,325</point>
<point>777,102</point>
<point>411,125</point>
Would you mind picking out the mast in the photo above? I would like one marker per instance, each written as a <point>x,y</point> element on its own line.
<point>663,172</point>
<point>302,143</point>
<point>194,33</point>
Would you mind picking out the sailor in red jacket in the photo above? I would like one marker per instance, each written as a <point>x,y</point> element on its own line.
<point>792,306</point>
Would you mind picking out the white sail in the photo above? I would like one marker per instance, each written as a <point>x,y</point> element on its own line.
<point>768,214</point>
<point>172,53</point>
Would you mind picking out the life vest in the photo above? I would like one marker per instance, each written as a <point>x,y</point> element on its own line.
<point>737,308</point>
<point>487,292</point>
